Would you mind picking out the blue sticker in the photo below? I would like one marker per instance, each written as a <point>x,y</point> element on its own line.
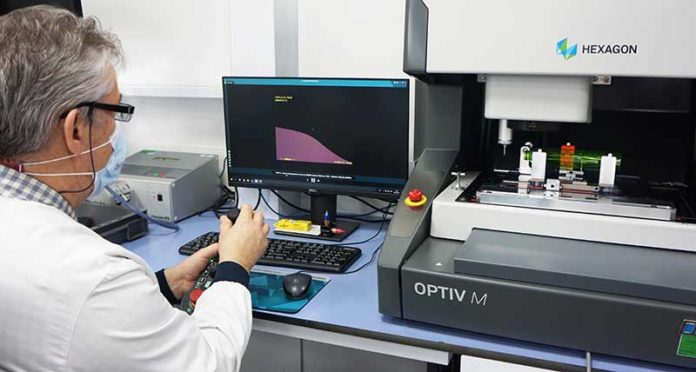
<point>689,328</point>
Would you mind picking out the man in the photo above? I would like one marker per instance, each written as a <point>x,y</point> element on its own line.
<point>71,300</point>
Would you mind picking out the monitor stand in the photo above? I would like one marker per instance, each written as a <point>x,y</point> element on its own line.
<point>321,205</point>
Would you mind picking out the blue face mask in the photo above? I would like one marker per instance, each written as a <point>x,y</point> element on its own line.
<point>103,177</point>
<point>109,174</point>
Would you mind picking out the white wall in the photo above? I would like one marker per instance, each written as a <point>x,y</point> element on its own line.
<point>178,48</point>
<point>176,124</point>
<point>351,38</point>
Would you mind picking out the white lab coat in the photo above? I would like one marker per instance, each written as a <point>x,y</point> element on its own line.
<point>72,301</point>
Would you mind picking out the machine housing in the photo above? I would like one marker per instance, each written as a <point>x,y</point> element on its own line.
<point>610,274</point>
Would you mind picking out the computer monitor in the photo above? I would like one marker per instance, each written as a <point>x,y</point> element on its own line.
<point>7,6</point>
<point>323,136</point>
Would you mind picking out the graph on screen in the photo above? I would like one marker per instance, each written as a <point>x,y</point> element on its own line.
<point>292,145</point>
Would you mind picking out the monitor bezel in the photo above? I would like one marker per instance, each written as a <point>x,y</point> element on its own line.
<point>323,189</point>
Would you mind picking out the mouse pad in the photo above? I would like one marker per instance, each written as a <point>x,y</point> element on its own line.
<point>267,292</point>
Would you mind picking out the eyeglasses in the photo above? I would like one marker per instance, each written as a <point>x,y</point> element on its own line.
<point>122,111</point>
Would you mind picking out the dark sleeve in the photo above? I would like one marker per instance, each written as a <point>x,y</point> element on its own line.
<point>232,272</point>
<point>164,288</point>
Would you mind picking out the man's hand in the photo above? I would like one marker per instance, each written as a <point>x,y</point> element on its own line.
<point>183,276</point>
<point>246,240</point>
<point>243,243</point>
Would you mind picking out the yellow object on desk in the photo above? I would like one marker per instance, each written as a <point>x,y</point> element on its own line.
<point>293,225</point>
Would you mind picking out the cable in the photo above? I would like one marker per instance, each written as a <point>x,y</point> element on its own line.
<point>360,215</point>
<point>281,215</point>
<point>385,212</point>
<point>289,203</point>
<point>271,208</point>
<point>219,206</point>
<point>372,258</point>
<point>383,221</point>
<point>119,198</point>
<point>225,189</point>
<point>381,226</point>
<point>343,216</point>
<point>224,162</point>
<point>366,220</point>
<point>377,209</point>
<point>258,200</point>
<point>265,201</point>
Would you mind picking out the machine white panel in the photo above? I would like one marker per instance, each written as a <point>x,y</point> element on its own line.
<point>542,98</point>
<point>455,220</point>
<point>653,38</point>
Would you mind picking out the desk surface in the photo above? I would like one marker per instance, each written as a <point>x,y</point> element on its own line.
<point>348,304</point>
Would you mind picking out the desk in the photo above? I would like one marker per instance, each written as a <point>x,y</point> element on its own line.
<point>345,313</point>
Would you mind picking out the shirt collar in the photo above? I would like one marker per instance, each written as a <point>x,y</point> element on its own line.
<point>16,185</point>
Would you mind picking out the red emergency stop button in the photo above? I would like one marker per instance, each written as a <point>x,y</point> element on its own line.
<point>195,295</point>
<point>415,195</point>
<point>415,198</point>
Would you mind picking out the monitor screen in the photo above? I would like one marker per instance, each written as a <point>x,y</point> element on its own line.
<point>332,136</point>
<point>7,6</point>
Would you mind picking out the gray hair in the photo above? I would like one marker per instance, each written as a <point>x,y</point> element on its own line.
<point>50,61</point>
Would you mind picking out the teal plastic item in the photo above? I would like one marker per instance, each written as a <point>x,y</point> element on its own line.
<point>267,292</point>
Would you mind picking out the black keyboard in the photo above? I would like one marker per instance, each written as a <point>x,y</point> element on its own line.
<point>288,253</point>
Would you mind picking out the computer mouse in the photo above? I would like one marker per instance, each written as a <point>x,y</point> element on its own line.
<point>296,286</point>
<point>232,214</point>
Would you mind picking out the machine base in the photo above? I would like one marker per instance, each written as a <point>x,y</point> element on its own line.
<point>578,319</point>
